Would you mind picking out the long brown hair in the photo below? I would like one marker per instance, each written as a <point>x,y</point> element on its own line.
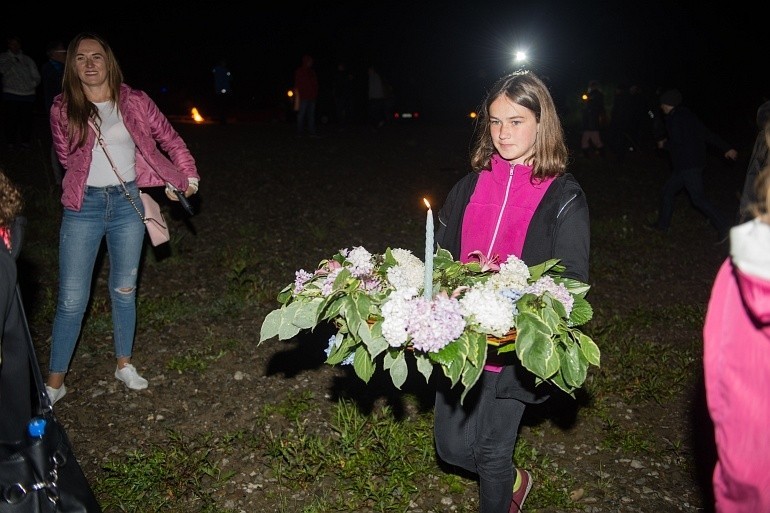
<point>79,108</point>
<point>11,200</point>
<point>526,89</point>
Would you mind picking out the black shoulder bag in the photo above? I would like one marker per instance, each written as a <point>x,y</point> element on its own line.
<point>39,473</point>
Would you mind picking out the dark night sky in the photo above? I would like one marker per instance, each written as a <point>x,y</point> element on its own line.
<point>440,55</point>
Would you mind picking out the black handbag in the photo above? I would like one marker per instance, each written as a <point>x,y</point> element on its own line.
<point>39,473</point>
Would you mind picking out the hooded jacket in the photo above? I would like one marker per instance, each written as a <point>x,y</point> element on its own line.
<point>161,153</point>
<point>736,365</point>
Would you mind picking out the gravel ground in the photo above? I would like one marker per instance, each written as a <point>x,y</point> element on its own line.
<point>271,203</point>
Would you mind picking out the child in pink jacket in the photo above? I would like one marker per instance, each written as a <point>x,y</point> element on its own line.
<point>736,362</point>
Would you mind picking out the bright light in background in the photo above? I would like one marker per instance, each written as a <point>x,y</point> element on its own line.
<point>520,57</point>
<point>196,116</point>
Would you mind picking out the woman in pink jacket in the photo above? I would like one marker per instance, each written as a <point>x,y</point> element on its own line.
<point>147,152</point>
<point>736,362</point>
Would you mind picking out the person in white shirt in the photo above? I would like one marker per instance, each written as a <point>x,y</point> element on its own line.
<point>20,80</point>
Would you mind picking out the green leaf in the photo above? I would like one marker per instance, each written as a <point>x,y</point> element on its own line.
<point>558,380</point>
<point>344,345</point>
<point>453,354</point>
<point>398,369</point>
<point>372,338</point>
<point>535,347</point>
<point>363,364</point>
<point>424,365</point>
<point>271,325</point>
<point>573,365</point>
<point>470,376</point>
<point>589,348</point>
<point>305,314</point>
<point>582,312</point>
<point>286,294</point>
<point>575,287</point>
<point>452,357</point>
<point>477,349</point>
<point>349,311</point>
<point>536,271</point>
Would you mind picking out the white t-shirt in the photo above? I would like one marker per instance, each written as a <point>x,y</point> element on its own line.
<point>120,147</point>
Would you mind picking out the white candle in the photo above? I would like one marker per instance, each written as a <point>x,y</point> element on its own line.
<point>428,289</point>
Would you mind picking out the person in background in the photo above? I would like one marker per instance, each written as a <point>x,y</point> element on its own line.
<point>343,94</point>
<point>223,90</point>
<point>20,80</point>
<point>757,161</point>
<point>736,362</point>
<point>52,73</point>
<point>686,140</point>
<point>593,119</point>
<point>306,87</point>
<point>95,99</point>
<point>15,384</point>
<point>376,97</point>
<point>518,200</point>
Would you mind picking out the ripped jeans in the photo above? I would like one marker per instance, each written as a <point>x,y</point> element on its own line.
<point>105,213</point>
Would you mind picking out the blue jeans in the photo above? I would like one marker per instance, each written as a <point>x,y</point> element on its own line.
<point>480,436</point>
<point>692,181</point>
<point>306,117</point>
<point>105,212</point>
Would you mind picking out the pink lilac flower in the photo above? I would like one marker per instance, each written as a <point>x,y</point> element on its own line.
<point>557,290</point>
<point>301,277</point>
<point>328,286</point>
<point>361,262</point>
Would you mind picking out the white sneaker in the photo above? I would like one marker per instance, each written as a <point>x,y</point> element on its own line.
<point>54,394</point>
<point>131,378</point>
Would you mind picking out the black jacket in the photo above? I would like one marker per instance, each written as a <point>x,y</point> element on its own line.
<point>559,228</point>
<point>15,378</point>
<point>688,138</point>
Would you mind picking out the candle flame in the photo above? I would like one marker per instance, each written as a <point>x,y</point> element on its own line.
<point>426,203</point>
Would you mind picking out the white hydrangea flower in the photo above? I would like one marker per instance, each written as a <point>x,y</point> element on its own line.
<point>513,275</point>
<point>410,271</point>
<point>490,311</point>
<point>396,312</point>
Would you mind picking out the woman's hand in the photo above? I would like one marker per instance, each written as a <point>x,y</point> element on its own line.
<point>171,192</point>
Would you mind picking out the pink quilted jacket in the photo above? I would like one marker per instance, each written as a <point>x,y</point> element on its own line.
<point>161,154</point>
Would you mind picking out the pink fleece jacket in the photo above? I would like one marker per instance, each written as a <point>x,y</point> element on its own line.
<point>736,362</point>
<point>498,216</point>
<point>500,209</point>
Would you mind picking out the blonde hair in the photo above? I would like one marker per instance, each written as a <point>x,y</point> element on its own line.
<point>79,108</point>
<point>526,89</point>
<point>11,200</point>
<point>761,208</point>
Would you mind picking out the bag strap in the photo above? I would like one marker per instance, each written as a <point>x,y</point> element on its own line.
<point>44,401</point>
<point>115,168</point>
